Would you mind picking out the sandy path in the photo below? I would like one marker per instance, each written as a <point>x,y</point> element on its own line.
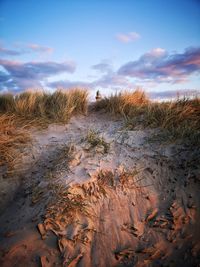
<point>137,205</point>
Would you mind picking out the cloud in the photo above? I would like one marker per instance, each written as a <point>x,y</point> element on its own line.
<point>20,75</point>
<point>25,49</point>
<point>169,94</point>
<point>128,37</point>
<point>107,81</point>
<point>151,69</point>
<point>9,52</point>
<point>102,67</point>
<point>160,66</point>
<point>68,84</point>
<point>109,78</point>
<point>112,80</point>
<point>40,48</point>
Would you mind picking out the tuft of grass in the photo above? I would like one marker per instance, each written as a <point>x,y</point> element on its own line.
<point>61,105</point>
<point>123,103</point>
<point>12,138</point>
<point>6,103</point>
<point>179,119</point>
<point>39,105</point>
<point>95,140</point>
<point>30,105</point>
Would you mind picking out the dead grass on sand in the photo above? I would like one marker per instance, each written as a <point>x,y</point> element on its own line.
<point>12,138</point>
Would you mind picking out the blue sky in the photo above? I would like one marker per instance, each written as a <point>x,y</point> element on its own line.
<point>103,44</point>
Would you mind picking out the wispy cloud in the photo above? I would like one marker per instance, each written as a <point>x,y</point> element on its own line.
<point>109,80</point>
<point>69,84</point>
<point>39,48</point>
<point>169,94</point>
<point>102,67</point>
<point>20,75</point>
<point>160,66</point>
<point>152,68</point>
<point>9,52</point>
<point>112,80</point>
<point>128,37</point>
<point>25,49</point>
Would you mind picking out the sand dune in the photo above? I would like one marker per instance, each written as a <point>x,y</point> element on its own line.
<point>75,205</point>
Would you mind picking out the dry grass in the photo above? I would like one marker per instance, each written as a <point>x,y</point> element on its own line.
<point>56,107</point>
<point>6,103</point>
<point>179,119</point>
<point>11,139</point>
<point>61,105</point>
<point>123,103</point>
<point>34,108</point>
<point>95,140</point>
<point>105,177</point>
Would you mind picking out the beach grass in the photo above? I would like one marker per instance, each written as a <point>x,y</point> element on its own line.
<point>34,108</point>
<point>179,118</point>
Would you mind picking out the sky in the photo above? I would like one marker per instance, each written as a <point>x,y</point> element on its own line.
<point>110,45</point>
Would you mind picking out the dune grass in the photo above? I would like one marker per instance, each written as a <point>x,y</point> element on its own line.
<point>56,107</point>
<point>12,138</point>
<point>122,103</point>
<point>34,108</point>
<point>179,119</point>
<point>6,103</point>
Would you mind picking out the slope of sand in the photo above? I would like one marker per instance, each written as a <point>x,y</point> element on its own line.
<point>137,205</point>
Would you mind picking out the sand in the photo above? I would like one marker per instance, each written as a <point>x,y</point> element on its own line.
<point>73,205</point>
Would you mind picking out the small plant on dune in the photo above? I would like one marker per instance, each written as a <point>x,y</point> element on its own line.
<point>95,140</point>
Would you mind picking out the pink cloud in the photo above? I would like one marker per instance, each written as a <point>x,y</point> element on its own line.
<point>128,37</point>
<point>40,48</point>
<point>160,66</point>
<point>21,75</point>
